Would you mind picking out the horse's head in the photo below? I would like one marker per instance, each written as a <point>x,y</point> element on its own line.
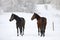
<point>34,16</point>
<point>12,17</point>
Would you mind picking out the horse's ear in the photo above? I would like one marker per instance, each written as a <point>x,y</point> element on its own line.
<point>12,13</point>
<point>34,13</point>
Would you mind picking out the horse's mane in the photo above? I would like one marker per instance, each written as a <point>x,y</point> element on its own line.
<point>15,15</point>
<point>37,16</point>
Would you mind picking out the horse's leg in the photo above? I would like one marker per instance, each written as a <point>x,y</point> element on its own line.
<point>23,27</point>
<point>44,34</point>
<point>17,29</point>
<point>38,31</point>
<point>42,31</point>
<point>17,32</point>
<point>44,27</point>
<point>21,31</point>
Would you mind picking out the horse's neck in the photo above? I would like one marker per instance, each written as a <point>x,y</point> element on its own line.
<point>17,18</point>
<point>38,18</point>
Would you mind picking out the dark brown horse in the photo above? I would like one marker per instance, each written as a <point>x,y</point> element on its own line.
<point>41,23</point>
<point>20,23</point>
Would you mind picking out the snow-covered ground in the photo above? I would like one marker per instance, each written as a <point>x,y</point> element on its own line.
<point>8,29</point>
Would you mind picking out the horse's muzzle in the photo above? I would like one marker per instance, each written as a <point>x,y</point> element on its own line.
<point>9,20</point>
<point>31,18</point>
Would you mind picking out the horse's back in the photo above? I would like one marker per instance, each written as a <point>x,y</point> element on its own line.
<point>44,22</point>
<point>21,22</point>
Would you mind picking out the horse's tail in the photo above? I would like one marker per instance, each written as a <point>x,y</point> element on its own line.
<point>23,23</point>
<point>44,22</point>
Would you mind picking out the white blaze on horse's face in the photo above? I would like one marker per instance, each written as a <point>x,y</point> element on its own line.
<point>12,17</point>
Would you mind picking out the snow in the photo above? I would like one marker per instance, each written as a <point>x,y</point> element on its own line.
<point>8,29</point>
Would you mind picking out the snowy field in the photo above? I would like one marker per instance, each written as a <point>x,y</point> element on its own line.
<point>8,29</point>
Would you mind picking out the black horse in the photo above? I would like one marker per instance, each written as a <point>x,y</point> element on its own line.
<point>41,23</point>
<point>20,23</point>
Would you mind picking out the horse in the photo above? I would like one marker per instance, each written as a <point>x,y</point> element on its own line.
<point>20,23</point>
<point>41,23</point>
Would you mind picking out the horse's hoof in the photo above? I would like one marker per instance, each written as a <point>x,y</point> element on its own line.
<point>38,34</point>
<point>43,35</point>
<point>17,35</point>
<point>21,35</point>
